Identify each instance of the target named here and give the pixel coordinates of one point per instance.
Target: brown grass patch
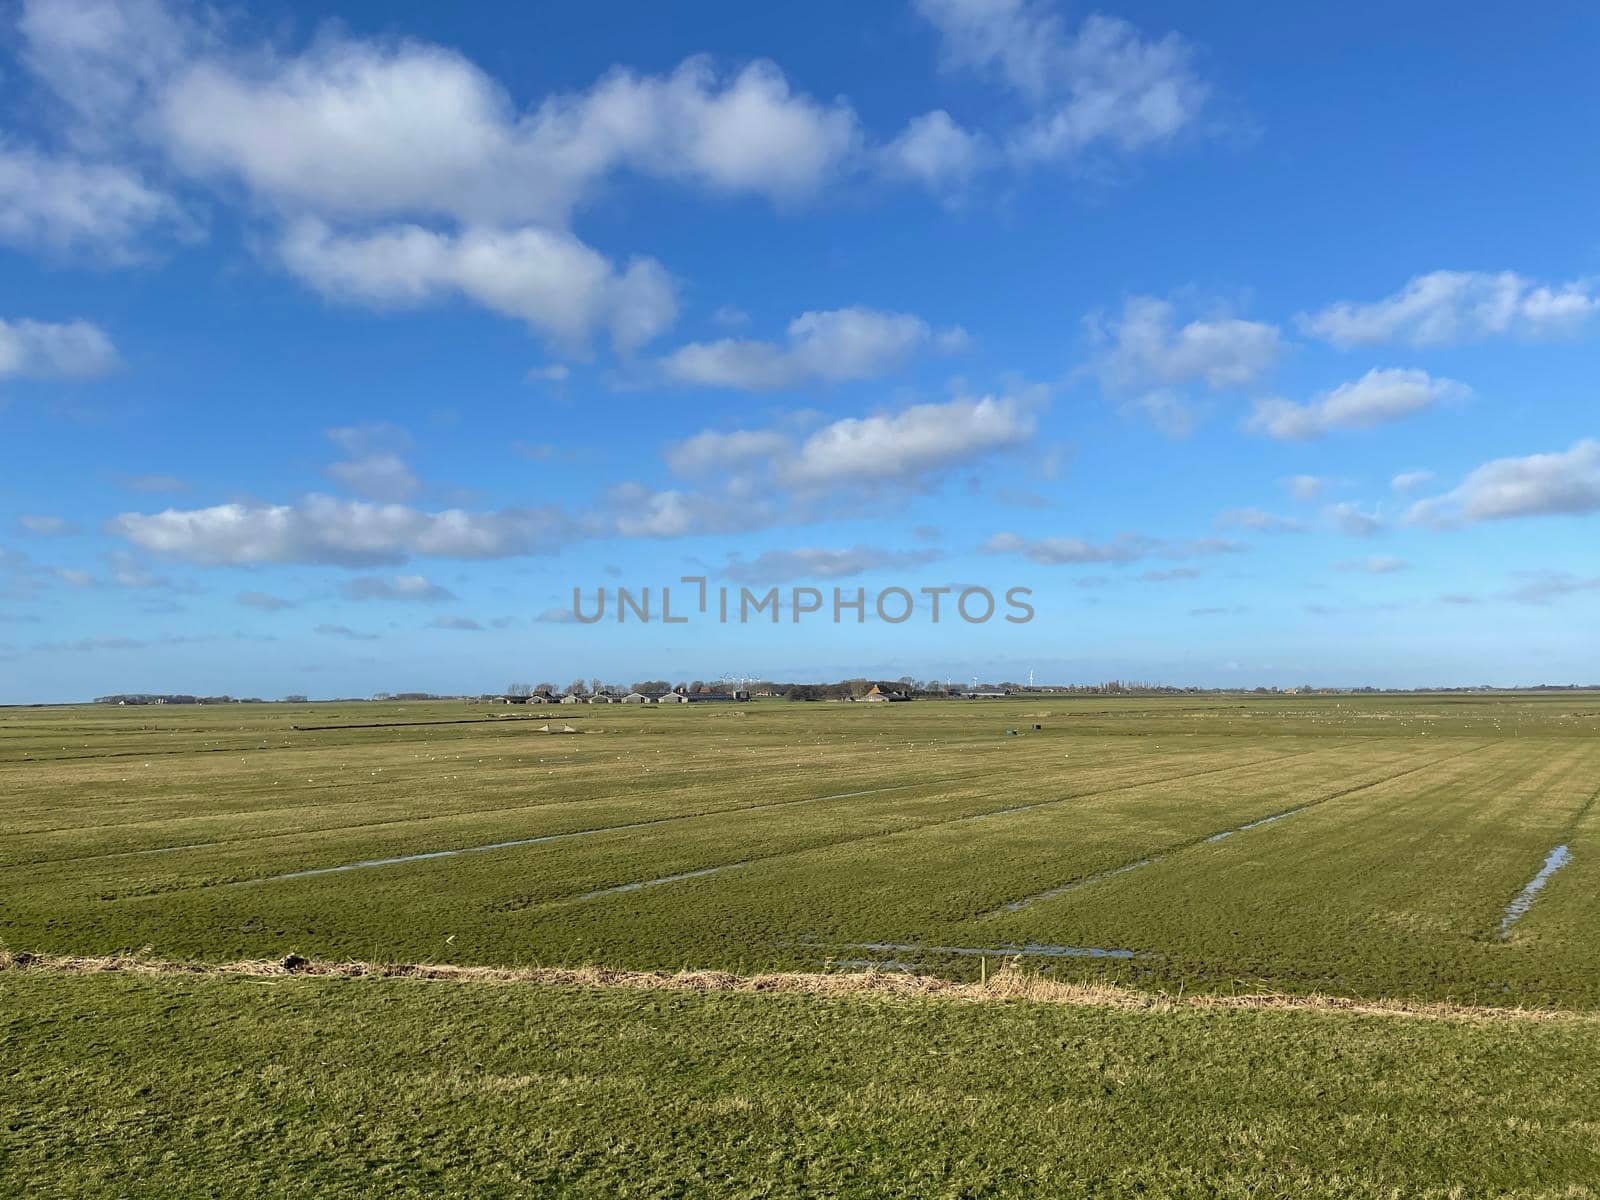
(1009, 984)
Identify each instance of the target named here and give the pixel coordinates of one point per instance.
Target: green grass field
(1362, 847)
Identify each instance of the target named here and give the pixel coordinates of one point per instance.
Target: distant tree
(652, 685)
(578, 688)
(596, 687)
(544, 687)
(518, 689)
(295, 700)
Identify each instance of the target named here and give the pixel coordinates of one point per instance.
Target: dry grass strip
(1007, 984)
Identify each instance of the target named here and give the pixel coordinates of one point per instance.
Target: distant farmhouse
(878, 696)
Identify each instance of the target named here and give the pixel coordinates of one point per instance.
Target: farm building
(878, 696)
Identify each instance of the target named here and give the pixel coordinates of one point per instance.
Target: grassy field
(782, 836)
(128, 1086)
(1360, 847)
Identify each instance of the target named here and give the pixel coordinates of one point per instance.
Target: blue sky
(338, 345)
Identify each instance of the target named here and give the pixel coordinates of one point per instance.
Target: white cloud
(1145, 346)
(907, 446)
(778, 566)
(834, 346)
(66, 205)
(1378, 564)
(1563, 483)
(417, 588)
(1104, 85)
(1445, 307)
(559, 286)
(377, 477)
(103, 59)
(936, 151)
(1350, 520)
(1259, 520)
(1410, 481)
(46, 350)
(45, 525)
(1145, 356)
(323, 529)
(1305, 487)
(637, 511)
(713, 451)
(1378, 397)
(361, 129)
(376, 470)
(1124, 548)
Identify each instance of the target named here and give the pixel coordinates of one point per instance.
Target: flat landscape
(1360, 847)
(1437, 852)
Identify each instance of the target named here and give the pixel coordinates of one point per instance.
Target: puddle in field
(1554, 861)
(1228, 833)
(1019, 905)
(634, 887)
(401, 859)
(1026, 950)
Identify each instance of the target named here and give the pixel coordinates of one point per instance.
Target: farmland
(779, 836)
(1373, 848)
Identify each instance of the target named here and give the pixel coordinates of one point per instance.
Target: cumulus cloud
(906, 446)
(778, 566)
(48, 350)
(1445, 307)
(357, 128)
(937, 151)
(1566, 482)
(900, 449)
(1105, 85)
(560, 287)
(1124, 548)
(1145, 356)
(1380, 396)
(1259, 520)
(713, 451)
(834, 346)
(324, 529)
(1410, 481)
